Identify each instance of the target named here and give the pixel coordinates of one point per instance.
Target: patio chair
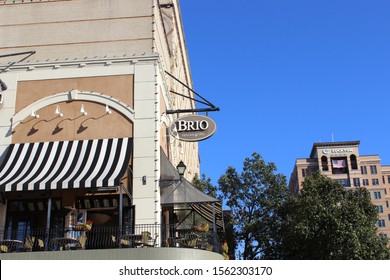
(192, 243)
(41, 245)
(31, 243)
(150, 242)
(147, 240)
(28, 243)
(82, 240)
(4, 249)
(124, 243)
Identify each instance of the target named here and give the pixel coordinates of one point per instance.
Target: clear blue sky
(288, 73)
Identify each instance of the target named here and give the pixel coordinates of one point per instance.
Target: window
(339, 166)
(373, 169)
(356, 182)
(377, 195)
(344, 182)
(380, 208)
(383, 180)
(375, 182)
(353, 162)
(324, 162)
(381, 223)
(388, 179)
(365, 182)
(304, 172)
(388, 216)
(387, 204)
(363, 169)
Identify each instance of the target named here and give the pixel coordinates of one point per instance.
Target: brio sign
(193, 128)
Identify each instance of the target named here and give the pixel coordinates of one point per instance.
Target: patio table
(64, 243)
(10, 245)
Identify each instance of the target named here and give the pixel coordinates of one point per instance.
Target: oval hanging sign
(193, 128)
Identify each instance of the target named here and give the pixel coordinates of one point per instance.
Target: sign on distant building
(337, 151)
(193, 128)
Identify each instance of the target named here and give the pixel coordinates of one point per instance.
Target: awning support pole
(47, 234)
(120, 214)
(214, 230)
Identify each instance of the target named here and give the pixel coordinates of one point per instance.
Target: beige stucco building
(342, 162)
(84, 124)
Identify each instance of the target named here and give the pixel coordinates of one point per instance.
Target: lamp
(82, 110)
(108, 111)
(181, 168)
(34, 114)
(58, 112)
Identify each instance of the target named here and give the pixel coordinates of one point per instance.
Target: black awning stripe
(71, 165)
(88, 163)
(52, 160)
(18, 164)
(39, 166)
(98, 162)
(83, 162)
(59, 166)
(121, 169)
(30, 167)
(65, 164)
(116, 169)
(8, 160)
(106, 158)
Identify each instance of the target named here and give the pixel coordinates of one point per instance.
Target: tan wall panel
(73, 125)
(73, 10)
(76, 32)
(57, 30)
(119, 87)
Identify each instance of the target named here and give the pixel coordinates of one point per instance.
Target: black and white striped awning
(65, 164)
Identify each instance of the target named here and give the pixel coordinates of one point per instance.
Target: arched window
(353, 162)
(324, 163)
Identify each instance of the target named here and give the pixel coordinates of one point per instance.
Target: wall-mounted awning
(65, 164)
(177, 191)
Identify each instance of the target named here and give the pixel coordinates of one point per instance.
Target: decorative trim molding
(71, 95)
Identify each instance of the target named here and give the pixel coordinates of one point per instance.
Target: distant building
(342, 162)
(84, 132)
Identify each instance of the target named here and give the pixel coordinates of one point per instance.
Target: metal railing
(107, 237)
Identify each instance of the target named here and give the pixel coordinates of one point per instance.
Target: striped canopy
(65, 164)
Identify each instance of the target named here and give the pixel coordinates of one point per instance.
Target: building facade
(342, 162)
(84, 128)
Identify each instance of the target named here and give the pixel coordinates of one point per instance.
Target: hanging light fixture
(181, 168)
(108, 111)
(34, 114)
(82, 110)
(58, 111)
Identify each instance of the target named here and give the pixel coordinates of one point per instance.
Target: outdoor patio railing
(107, 237)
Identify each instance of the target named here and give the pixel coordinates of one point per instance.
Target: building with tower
(342, 162)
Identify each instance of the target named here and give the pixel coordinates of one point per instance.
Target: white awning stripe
(65, 164)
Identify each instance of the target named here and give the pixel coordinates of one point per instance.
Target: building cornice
(126, 59)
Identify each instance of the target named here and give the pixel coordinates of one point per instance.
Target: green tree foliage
(327, 222)
(253, 195)
(204, 184)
